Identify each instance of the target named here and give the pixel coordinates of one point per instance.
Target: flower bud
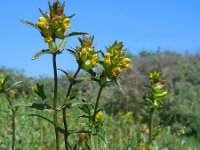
(126, 60)
(116, 71)
(99, 116)
(59, 33)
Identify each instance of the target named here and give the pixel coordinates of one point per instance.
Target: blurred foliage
(181, 108)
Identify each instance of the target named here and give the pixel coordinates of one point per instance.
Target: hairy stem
(64, 109)
(150, 126)
(55, 102)
(97, 103)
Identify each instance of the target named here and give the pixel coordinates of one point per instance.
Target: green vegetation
(112, 101)
(125, 119)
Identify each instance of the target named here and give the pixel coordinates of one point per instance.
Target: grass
(123, 131)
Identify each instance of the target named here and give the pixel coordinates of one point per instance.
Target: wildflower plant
(53, 27)
(155, 98)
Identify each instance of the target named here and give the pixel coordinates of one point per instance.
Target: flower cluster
(86, 56)
(157, 92)
(114, 61)
(53, 24)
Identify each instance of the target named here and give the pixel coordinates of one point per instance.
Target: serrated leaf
(61, 45)
(76, 34)
(38, 54)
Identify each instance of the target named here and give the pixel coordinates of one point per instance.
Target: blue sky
(140, 24)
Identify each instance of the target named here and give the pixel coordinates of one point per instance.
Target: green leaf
(76, 33)
(40, 91)
(61, 130)
(85, 108)
(43, 14)
(15, 84)
(84, 116)
(30, 24)
(73, 94)
(39, 106)
(71, 51)
(92, 73)
(101, 52)
(70, 78)
(61, 45)
(71, 16)
(38, 54)
(96, 134)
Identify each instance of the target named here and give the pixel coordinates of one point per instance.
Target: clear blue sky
(141, 24)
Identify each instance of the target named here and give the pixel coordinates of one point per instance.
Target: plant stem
(97, 103)
(13, 122)
(64, 109)
(55, 102)
(150, 126)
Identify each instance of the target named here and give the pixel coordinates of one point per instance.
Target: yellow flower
(93, 63)
(83, 53)
(67, 26)
(99, 115)
(129, 114)
(95, 57)
(189, 148)
(66, 20)
(43, 20)
(126, 60)
(48, 40)
(164, 93)
(107, 60)
(83, 136)
(116, 71)
(181, 131)
(34, 87)
(40, 24)
(127, 66)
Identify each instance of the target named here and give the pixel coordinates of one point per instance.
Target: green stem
(13, 122)
(97, 103)
(64, 110)
(150, 126)
(55, 102)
